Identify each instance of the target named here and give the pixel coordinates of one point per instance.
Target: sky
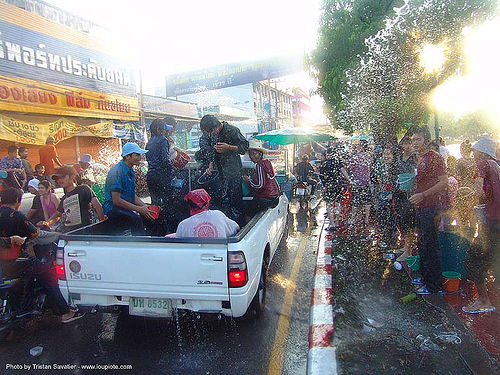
(177, 36)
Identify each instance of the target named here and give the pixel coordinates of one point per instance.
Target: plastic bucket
(155, 211)
(11, 253)
(245, 191)
(406, 181)
(451, 281)
(181, 159)
(480, 212)
(413, 262)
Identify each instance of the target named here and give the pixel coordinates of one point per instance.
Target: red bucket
(12, 253)
(451, 281)
(181, 159)
(155, 211)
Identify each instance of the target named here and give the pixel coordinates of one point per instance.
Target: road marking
(277, 354)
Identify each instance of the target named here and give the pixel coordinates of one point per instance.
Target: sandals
(481, 310)
(77, 316)
(417, 281)
(422, 291)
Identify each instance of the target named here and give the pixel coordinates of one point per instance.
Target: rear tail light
(237, 266)
(61, 274)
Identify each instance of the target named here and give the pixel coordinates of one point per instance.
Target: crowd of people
(415, 189)
(406, 215)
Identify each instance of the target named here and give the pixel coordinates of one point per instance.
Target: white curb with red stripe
(321, 359)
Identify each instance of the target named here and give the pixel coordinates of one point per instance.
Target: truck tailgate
(147, 269)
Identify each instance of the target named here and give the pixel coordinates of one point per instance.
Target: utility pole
(141, 107)
(269, 101)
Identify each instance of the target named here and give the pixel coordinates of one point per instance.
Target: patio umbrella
(360, 137)
(288, 136)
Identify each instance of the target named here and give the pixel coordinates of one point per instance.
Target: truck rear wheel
(259, 300)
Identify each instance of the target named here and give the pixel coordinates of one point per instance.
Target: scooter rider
(14, 223)
(303, 172)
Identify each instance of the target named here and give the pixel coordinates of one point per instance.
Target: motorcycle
(21, 298)
(302, 191)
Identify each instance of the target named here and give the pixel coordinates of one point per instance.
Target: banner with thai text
(35, 130)
(25, 95)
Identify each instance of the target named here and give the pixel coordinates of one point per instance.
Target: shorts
(361, 196)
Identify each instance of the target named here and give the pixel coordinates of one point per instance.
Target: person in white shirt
(443, 150)
(205, 223)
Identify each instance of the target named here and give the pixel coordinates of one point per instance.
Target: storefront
(56, 81)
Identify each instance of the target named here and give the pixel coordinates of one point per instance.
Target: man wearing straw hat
(263, 185)
(483, 253)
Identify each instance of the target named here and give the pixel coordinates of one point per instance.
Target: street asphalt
(275, 344)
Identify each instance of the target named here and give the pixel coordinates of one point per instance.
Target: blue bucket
(406, 181)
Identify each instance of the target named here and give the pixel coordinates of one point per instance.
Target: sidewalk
(376, 333)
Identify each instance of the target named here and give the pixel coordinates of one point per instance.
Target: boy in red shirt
(431, 181)
(48, 155)
(484, 251)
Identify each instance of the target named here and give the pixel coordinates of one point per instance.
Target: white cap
(34, 183)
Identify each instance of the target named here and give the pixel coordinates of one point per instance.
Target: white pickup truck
(152, 276)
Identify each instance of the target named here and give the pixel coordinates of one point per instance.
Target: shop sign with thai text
(24, 95)
(26, 51)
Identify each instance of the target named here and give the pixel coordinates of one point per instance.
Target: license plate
(150, 307)
(301, 191)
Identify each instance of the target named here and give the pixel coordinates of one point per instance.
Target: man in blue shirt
(122, 206)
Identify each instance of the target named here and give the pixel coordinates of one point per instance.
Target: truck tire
(259, 300)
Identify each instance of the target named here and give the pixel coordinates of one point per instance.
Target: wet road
(375, 333)
(274, 344)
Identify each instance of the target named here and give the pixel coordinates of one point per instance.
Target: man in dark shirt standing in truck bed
(230, 145)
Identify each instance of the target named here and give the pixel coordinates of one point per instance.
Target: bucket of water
(181, 159)
(245, 190)
(11, 253)
(155, 211)
(480, 212)
(406, 181)
(413, 262)
(451, 281)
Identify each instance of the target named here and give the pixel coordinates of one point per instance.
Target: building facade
(58, 80)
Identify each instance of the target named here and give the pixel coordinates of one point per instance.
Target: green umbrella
(288, 136)
(360, 137)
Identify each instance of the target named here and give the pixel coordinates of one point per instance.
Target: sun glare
(432, 57)
(477, 89)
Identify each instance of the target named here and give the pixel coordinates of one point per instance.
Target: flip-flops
(481, 310)
(422, 291)
(417, 281)
(77, 316)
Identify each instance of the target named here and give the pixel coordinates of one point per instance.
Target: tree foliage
(376, 82)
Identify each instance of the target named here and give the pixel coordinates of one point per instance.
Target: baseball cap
(86, 158)
(65, 170)
(34, 182)
(131, 148)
